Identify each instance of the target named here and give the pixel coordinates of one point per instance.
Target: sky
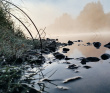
(44, 12)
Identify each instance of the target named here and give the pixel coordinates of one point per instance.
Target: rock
(80, 41)
(66, 49)
(66, 58)
(92, 59)
(76, 71)
(107, 45)
(87, 67)
(56, 39)
(89, 59)
(72, 79)
(70, 42)
(97, 44)
(64, 44)
(59, 55)
(73, 66)
(105, 56)
(83, 61)
(88, 44)
(52, 46)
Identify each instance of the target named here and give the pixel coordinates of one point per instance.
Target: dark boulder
(89, 59)
(97, 44)
(83, 61)
(107, 45)
(105, 56)
(59, 55)
(92, 59)
(70, 42)
(66, 49)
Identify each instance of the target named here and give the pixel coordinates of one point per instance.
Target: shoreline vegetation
(16, 50)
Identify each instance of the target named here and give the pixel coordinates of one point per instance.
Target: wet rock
(70, 42)
(92, 59)
(105, 56)
(66, 58)
(73, 66)
(97, 44)
(80, 41)
(72, 79)
(62, 87)
(50, 62)
(87, 67)
(89, 59)
(66, 49)
(107, 45)
(56, 39)
(59, 55)
(52, 48)
(83, 61)
(88, 44)
(64, 44)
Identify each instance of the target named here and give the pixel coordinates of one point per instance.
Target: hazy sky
(44, 12)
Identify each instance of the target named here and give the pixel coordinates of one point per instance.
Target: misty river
(92, 77)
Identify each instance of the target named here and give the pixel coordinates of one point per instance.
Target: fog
(91, 19)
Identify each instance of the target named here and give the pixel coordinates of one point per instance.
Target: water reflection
(94, 75)
(82, 48)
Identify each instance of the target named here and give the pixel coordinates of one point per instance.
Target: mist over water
(91, 19)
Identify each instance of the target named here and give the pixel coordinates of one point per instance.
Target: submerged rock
(97, 44)
(105, 56)
(67, 62)
(88, 44)
(87, 67)
(107, 45)
(72, 79)
(73, 66)
(59, 55)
